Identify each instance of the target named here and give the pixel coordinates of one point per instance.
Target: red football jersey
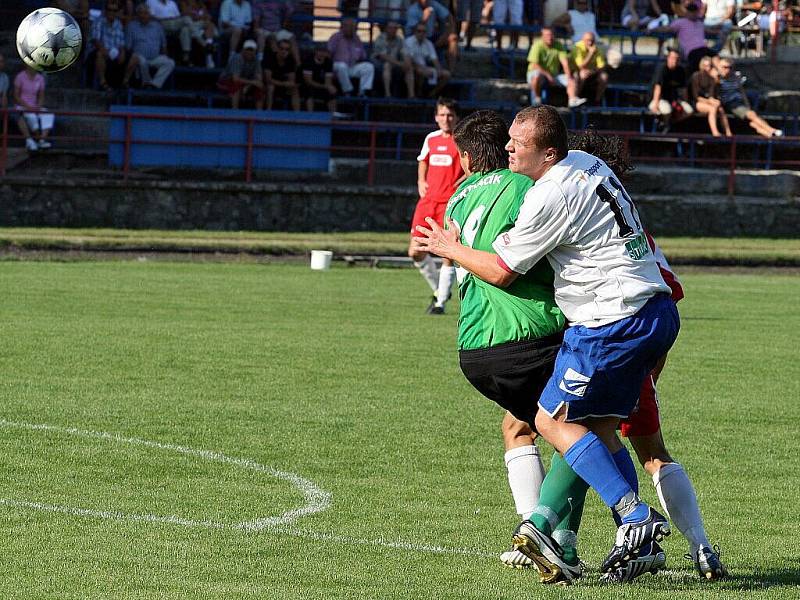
(444, 168)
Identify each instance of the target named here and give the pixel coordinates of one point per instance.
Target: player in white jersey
(622, 320)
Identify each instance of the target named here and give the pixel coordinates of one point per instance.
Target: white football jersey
(581, 218)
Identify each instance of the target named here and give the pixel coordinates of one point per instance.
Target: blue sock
(622, 459)
(590, 459)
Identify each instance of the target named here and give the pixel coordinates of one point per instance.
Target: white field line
(317, 500)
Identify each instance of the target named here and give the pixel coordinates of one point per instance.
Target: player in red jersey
(438, 175)
(642, 427)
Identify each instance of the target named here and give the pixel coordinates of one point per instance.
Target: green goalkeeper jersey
(485, 206)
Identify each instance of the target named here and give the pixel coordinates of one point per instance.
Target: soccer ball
(49, 40)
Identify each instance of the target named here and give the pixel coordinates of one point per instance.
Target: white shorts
(561, 78)
(38, 120)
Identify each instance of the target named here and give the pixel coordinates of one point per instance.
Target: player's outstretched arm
(446, 243)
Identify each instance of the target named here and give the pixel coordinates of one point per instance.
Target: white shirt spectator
(237, 15)
(717, 10)
(420, 53)
(163, 10)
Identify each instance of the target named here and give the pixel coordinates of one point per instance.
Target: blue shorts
(599, 371)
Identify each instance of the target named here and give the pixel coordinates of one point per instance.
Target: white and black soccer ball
(49, 40)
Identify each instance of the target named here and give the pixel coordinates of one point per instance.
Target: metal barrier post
(248, 167)
(371, 167)
(4, 151)
(126, 161)
(732, 172)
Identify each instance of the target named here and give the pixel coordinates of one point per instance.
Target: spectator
(202, 26)
(643, 13)
(4, 83)
(546, 59)
(469, 17)
(589, 62)
(734, 100)
(318, 79)
(439, 27)
(578, 21)
(79, 9)
(29, 86)
(350, 59)
(704, 92)
(235, 18)
(691, 35)
(147, 45)
(670, 101)
(389, 55)
(169, 15)
(426, 64)
(243, 78)
(718, 18)
(108, 39)
(280, 76)
(507, 11)
(270, 19)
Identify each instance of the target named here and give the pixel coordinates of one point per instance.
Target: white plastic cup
(321, 260)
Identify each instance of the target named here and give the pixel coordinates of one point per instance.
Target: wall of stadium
(58, 202)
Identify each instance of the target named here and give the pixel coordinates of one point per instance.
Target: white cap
(250, 44)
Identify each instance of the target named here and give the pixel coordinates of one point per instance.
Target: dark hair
(547, 128)
(672, 50)
(611, 149)
(483, 135)
(447, 103)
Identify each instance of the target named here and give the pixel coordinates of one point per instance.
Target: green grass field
(202, 430)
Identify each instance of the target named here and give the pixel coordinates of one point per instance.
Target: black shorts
(513, 374)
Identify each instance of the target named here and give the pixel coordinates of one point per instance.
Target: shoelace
(715, 549)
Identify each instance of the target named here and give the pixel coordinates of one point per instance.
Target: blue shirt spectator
(416, 13)
(236, 14)
(109, 35)
(146, 39)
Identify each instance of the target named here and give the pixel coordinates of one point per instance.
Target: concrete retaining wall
(59, 202)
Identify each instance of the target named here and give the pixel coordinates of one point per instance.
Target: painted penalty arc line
(317, 500)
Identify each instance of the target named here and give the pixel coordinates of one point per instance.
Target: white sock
(679, 501)
(429, 272)
(525, 475)
(446, 276)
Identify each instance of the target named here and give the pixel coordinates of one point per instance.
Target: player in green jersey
(508, 337)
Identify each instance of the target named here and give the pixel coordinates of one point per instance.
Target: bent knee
(515, 432)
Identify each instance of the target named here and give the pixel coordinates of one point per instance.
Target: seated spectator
(318, 79)
(439, 27)
(719, 19)
(425, 61)
(243, 78)
(147, 45)
(691, 34)
(643, 13)
(108, 39)
(507, 12)
(169, 15)
(734, 100)
(578, 21)
(589, 62)
(35, 122)
(389, 56)
(350, 59)
(202, 27)
(670, 100)
(704, 93)
(270, 22)
(4, 83)
(546, 60)
(235, 18)
(280, 76)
